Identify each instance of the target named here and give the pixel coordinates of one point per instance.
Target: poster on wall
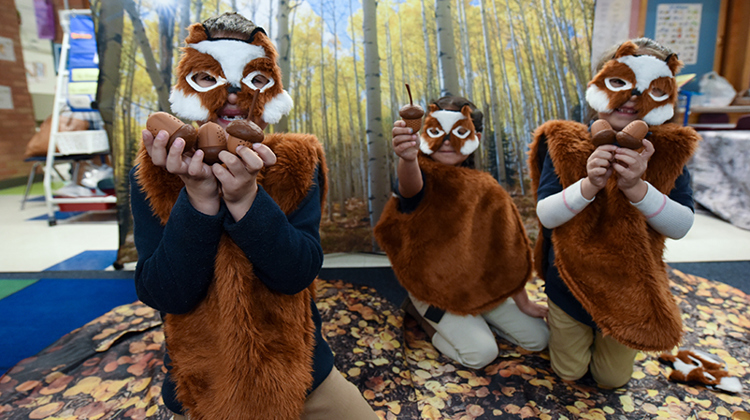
(6, 49)
(678, 27)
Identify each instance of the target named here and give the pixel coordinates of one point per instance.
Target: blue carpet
(87, 260)
(39, 314)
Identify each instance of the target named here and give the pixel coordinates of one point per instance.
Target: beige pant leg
(517, 327)
(337, 399)
(334, 399)
(569, 344)
(612, 362)
(465, 339)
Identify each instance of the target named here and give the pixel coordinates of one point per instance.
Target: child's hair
(455, 103)
(229, 23)
(646, 46)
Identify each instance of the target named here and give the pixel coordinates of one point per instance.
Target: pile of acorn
(211, 138)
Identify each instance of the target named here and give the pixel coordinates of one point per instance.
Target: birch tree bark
(166, 39)
(499, 156)
(109, 45)
(360, 139)
(446, 49)
(139, 33)
(377, 170)
(284, 46)
(465, 49)
(565, 100)
(184, 20)
(430, 92)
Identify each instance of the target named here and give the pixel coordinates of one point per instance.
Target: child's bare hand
(239, 180)
(200, 182)
(631, 165)
(599, 165)
(529, 307)
(405, 143)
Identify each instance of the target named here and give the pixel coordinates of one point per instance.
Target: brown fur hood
(464, 249)
(244, 350)
(608, 255)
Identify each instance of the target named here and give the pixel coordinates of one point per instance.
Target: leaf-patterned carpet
(111, 368)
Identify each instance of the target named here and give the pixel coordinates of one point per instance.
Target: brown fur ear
(674, 63)
(626, 48)
(433, 108)
(466, 111)
(196, 33)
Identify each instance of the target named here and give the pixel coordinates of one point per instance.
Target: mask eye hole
(435, 132)
(658, 94)
(615, 84)
(204, 81)
(258, 81)
(461, 132)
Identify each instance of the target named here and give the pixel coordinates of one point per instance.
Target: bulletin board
(690, 28)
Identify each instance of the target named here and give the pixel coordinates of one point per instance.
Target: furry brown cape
(245, 351)
(464, 249)
(608, 255)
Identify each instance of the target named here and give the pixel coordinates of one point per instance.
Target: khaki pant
(334, 399)
(468, 339)
(575, 347)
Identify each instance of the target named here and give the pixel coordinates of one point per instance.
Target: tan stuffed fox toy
(693, 366)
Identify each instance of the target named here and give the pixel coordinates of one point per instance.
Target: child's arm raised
(405, 145)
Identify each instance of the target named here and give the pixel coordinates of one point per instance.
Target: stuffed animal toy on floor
(693, 366)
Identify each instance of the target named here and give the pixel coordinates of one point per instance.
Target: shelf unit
(89, 142)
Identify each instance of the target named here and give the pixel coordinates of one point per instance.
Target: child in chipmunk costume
(605, 211)
(229, 254)
(456, 241)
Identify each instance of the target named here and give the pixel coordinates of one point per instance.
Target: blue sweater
(176, 261)
(555, 288)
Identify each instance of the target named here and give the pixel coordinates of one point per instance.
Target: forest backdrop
(345, 64)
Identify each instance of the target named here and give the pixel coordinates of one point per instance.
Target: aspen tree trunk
(184, 20)
(465, 49)
(109, 46)
(404, 71)
(284, 46)
(166, 39)
(525, 138)
(198, 10)
(341, 155)
(550, 94)
(586, 15)
(500, 156)
(428, 57)
(139, 33)
(324, 111)
(535, 79)
(562, 84)
(270, 16)
(378, 186)
(511, 130)
(446, 49)
(360, 138)
(580, 83)
(392, 88)
(234, 5)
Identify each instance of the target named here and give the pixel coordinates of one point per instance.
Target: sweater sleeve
(285, 250)
(175, 261)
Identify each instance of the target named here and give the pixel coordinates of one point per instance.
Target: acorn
(244, 132)
(175, 127)
(632, 135)
(212, 139)
(602, 133)
(411, 114)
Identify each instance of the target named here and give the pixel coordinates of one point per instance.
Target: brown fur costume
(464, 249)
(608, 256)
(244, 350)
